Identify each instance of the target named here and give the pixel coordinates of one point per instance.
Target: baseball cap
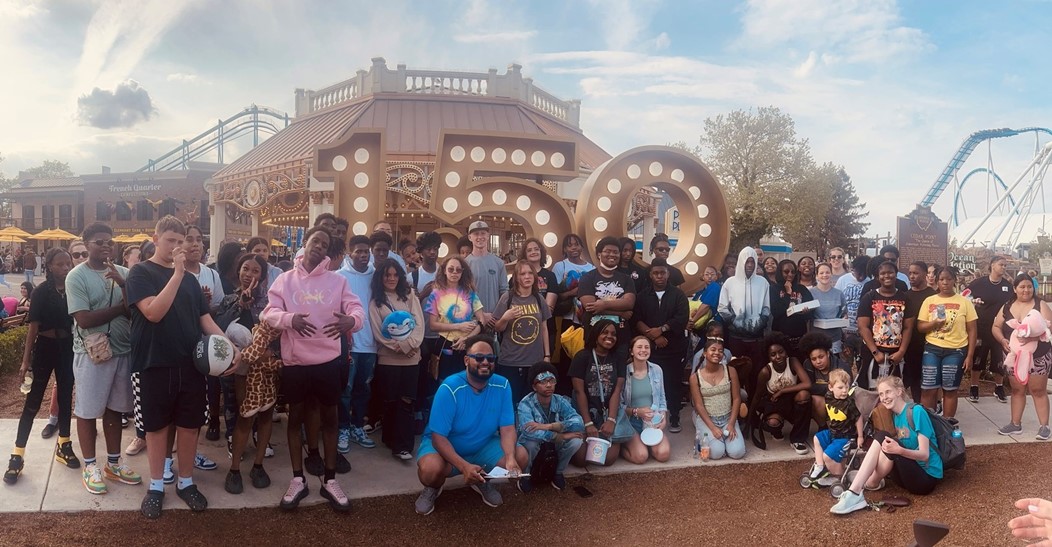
(478, 225)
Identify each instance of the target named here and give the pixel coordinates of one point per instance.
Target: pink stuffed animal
(1021, 356)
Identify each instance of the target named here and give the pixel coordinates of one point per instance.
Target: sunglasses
(480, 357)
(454, 270)
(79, 254)
(102, 242)
(836, 257)
(715, 339)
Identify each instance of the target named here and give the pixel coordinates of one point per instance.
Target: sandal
(152, 504)
(879, 486)
(193, 497)
(14, 469)
(758, 439)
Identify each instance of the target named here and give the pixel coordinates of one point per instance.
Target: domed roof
(414, 112)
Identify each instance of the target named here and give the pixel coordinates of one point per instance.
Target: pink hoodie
(319, 293)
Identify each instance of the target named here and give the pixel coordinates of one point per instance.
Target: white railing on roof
(380, 79)
(334, 94)
(446, 83)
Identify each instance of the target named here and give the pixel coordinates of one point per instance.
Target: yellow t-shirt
(959, 312)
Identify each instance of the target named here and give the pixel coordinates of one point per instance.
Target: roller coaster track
(252, 120)
(949, 172)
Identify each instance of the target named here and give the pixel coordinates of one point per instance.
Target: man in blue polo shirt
(471, 431)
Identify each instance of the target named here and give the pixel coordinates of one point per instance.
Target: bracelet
(611, 420)
(589, 424)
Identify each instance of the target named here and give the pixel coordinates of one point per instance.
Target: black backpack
(545, 464)
(950, 448)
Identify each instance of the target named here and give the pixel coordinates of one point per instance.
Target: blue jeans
(29, 275)
(942, 367)
(722, 447)
(565, 449)
(357, 391)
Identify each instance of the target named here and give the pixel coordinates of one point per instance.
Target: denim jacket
(656, 384)
(560, 410)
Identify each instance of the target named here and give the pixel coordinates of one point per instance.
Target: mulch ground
(760, 504)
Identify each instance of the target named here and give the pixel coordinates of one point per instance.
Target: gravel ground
(704, 505)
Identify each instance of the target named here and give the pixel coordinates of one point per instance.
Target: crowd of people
(361, 344)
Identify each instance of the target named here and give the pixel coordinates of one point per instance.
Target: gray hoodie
(745, 301)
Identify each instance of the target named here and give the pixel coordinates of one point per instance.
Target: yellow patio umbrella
(8, 238)
(63, 235)
(46, 234)
(138, 238)
(120, 239)
(276, 243)
(14, 231)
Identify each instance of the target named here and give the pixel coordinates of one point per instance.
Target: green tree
(50, 169)
(843, 223)
(759, 159)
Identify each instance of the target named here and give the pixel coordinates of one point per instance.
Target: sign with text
(963, 263)
(922, 236)
(1046, 266)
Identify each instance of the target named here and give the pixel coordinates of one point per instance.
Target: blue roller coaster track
(949, 172)
(252, 120)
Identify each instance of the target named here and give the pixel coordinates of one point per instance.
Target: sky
(887, 89)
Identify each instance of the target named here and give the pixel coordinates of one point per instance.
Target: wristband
(611, 420)
(589, 424)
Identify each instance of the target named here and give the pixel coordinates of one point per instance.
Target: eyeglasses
(103, 242)
(480, 357)
(79, 254)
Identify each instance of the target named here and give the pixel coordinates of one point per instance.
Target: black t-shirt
(790, 325)
(887, 315)
(169, 343)
(607, 288)
(842, 414)
(609, 369)
(48, 307)
(546, 282)
(914, 299)
(993, 296)
(639, 275)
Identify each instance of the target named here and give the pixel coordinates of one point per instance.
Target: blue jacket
(657, 385)
(560, 410)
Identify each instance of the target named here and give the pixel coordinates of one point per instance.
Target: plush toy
(398, 325)
(1021, 356)
(261, 387)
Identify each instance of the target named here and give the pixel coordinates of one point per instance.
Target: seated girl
(645, 404)
(714, 394)
(911, 459)
(598, 380)
(782, 394)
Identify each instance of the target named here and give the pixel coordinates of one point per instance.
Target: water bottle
(704, 452)
(696, 448)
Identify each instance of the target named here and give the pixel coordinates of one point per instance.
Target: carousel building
(435, 150)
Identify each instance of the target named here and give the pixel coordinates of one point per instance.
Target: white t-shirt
(208, 277)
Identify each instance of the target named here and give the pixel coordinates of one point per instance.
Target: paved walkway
(48, 486)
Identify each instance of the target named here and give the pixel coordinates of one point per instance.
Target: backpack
(544, 464)
(950, 447)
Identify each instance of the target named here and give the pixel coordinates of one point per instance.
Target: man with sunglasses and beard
(470, 407)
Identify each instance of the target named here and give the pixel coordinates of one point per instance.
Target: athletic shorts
(170, 395)
(487, 457)
(320, 383)
(942, 367)
(833, 447)
(101, 386)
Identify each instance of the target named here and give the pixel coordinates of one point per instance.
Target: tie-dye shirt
(452, 305)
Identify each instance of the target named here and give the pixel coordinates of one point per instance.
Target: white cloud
(856, 30)
(807, 66)
(506, 36)
(119, 35)
(182, 77)
(623, 22)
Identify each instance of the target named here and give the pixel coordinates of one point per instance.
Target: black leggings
(49, 356)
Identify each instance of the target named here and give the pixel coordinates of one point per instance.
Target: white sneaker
(849, 502)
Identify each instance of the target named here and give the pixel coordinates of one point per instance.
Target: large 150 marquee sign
(492, 173)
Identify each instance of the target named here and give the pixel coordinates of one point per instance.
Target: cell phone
(582, 491)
